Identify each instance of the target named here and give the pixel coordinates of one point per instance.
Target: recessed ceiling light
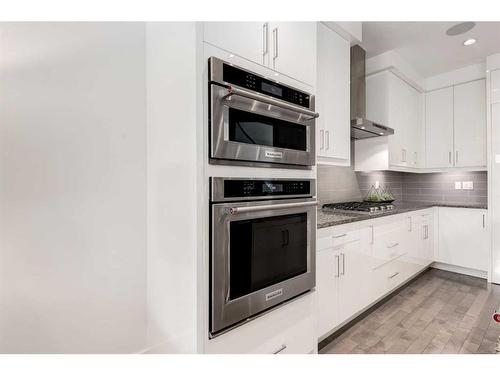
(469, 42)
(460, 28)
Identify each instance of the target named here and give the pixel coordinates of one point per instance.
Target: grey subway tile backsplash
(340, 184)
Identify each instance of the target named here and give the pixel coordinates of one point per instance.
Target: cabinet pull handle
(372, 240)
(394, 275)
(265, 47)
(283, 347)
(484, 225)
(337, 266)
(327, 136)
(410, 228)
(275, 45)
(456, 157)
(426, 232)
(340, 235)
(393, 245)
(343, 263)
(403, 155)
(449, 157)
(321, 139)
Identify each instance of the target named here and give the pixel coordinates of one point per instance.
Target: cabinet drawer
(339, 239)
(388, 242)
(290, 329)
(391, 275)
(296, 339)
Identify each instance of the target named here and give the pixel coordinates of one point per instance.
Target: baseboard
(461, 270)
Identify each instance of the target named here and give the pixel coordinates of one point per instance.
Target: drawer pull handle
(395, 274)
(283, 347)
(340, 235)
(394, 245)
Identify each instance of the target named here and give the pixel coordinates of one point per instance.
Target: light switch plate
(467, 185)
(458, 185)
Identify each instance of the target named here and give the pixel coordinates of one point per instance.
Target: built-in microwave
(263, 244)
(257, 120)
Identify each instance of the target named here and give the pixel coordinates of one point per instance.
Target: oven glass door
(259, 258)
(266, 251)
(248, 130)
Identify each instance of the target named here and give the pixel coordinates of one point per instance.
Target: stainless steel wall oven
(256, 120)
(263, 234)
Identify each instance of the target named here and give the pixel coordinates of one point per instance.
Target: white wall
(72, 188)
(493, 116)
(172, 186)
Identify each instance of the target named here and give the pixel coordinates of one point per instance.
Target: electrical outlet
(458, 185)
(468, 185)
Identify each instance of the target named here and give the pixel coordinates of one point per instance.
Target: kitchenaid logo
(276, 293)
(274, 154)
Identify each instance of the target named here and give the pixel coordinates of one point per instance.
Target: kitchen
(287, 188)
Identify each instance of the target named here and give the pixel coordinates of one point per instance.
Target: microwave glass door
(266, 251)
(253, 128)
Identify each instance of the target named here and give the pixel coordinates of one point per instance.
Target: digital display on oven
(271, 89)
(272, 188)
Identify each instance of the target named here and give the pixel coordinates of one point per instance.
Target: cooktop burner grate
(360, 206)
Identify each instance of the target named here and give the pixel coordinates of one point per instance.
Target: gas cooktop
(367, 207)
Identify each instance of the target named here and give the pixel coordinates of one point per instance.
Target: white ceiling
(426, 46)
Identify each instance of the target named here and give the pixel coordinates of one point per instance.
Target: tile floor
(440, 312)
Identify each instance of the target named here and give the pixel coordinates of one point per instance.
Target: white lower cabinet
(464, 238)
(357, 264)
(289, 329)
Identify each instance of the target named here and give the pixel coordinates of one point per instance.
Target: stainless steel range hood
(360, 126)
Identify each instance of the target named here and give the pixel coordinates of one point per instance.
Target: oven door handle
(231, 90)
(240, 210)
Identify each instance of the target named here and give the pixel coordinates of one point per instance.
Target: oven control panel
(254, 82)
(258, 188)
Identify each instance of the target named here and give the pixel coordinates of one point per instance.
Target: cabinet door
(293, 50)
(327, 276)
(463, 238)
(439, 128)
(245, 39)
(332, 95)
(401, 118)
(470, 124)
(354, 286)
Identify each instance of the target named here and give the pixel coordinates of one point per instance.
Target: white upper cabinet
(333, 98)
(455, 126)
(470, 124)
(392, 102)
(293, 49)
(245, 39)
(287, 47)
(439, 128)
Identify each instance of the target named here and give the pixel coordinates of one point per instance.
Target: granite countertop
(328, 217)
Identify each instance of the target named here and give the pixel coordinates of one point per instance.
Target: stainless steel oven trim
(226, 313)
(217, 189)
